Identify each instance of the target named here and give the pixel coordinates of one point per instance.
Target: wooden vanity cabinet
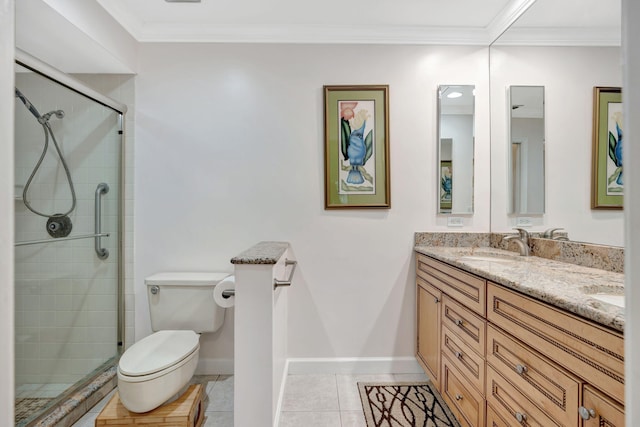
(500, 358)
(452, 352)
(429, 300)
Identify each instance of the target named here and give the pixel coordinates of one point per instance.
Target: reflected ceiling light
(454, 95)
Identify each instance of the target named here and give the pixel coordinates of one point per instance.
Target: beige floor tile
(353, 419)
(410, 377)
(220, 394)
(218, 419)
(310, 393)
(348, 388)
(310, 419)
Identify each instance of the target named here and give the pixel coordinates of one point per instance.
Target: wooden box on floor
(186, 411)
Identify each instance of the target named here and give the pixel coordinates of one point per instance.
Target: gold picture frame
(356, 162)
(607, 184)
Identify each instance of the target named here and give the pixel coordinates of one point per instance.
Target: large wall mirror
(587, 54)
(456, 104)
(526, 154)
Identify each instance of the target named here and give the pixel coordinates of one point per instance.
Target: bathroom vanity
(510, 340)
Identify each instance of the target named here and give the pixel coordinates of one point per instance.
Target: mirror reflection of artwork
(607, 173)
(614, 162)
(446, 185)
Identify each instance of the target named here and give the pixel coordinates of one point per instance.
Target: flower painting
(446, 185)
(608, 132)
(356, 147)
(614, 162)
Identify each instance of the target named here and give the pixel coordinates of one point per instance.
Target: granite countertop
(262, 253)
(563, 285)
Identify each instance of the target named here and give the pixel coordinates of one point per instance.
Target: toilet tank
(184, 301)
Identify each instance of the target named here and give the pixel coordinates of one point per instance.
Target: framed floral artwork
(446, 185)
(607, 174)
(356, 163)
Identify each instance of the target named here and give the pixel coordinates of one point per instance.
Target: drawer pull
(458, 397)
(521, 417)
(521, 369)
(585, 413)
(458, 322)
(436, 300)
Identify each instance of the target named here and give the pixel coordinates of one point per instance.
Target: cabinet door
(428, 346)
(465, 402)
(598, 410)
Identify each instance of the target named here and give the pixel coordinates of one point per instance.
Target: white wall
(6, 206)
(568, 75)
(229, 152)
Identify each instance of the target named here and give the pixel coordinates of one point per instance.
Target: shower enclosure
(68, 278)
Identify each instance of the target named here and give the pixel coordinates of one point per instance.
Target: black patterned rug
(405, 404)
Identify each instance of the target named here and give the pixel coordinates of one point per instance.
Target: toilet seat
(157, 352)
(157, 367)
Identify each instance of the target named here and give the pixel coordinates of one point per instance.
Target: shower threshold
(42, 411)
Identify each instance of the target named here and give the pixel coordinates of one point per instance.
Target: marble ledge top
(563, 285)
(262, 253)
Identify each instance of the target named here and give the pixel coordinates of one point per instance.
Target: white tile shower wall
(122, 88)
(65, 296)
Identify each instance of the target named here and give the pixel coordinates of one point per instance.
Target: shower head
(28, 104)
(45, 118)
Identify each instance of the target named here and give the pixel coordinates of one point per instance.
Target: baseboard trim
(215, 367)
(354, 365)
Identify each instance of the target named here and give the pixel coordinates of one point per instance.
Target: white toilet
(155, 368)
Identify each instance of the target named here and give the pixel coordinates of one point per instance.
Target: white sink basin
(617, 300)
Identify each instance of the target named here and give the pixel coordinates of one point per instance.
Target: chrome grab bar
(277, 283)
(101, 189)
(62, 239)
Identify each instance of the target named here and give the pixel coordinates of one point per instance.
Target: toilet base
(186, 411)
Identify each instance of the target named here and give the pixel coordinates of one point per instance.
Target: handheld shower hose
(46, 127)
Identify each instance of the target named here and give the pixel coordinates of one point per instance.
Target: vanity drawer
(466, 288)
(554, 390)
(495, 420)
(467, 325)
(606, 412)
(513, 406)
(582, 347)
(467, 361)
(466, 403)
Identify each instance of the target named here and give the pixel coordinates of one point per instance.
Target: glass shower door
(67, 254)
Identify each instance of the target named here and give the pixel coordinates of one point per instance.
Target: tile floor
(309, 400)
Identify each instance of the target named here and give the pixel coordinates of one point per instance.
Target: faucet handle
(548, 234)
(524, 234)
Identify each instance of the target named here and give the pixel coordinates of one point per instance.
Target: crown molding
(561, 37)
(507, 16)
(306, 34)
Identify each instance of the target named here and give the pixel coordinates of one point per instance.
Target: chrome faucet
(548, 234)
(522, 240)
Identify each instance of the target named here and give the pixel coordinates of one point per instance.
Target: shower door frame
(35, 65)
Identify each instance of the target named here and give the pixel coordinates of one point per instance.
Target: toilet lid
(158, 351)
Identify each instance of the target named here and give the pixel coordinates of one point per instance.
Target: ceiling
(360, 21)
(92, 36)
